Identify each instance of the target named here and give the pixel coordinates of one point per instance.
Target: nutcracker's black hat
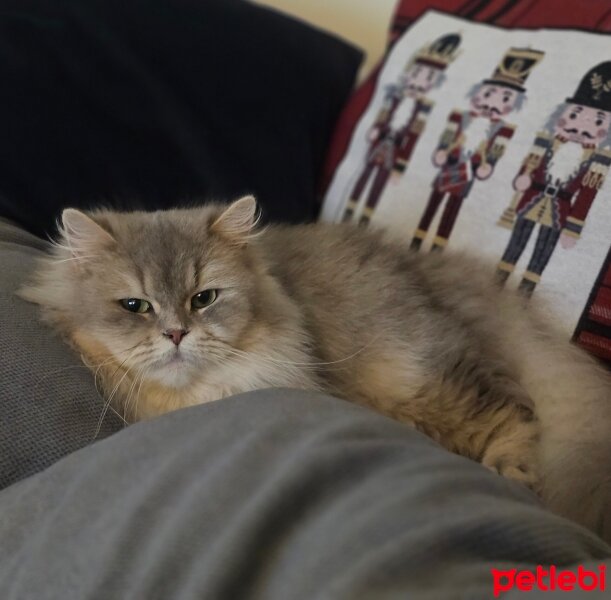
(594, 90)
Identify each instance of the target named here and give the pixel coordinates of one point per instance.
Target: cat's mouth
(174, 369)
(176, 359)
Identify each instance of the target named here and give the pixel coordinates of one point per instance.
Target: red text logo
(548, 579)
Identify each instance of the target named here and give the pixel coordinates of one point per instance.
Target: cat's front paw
(514, 454)
(523, 473)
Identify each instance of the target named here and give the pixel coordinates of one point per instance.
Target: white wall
(363, 22)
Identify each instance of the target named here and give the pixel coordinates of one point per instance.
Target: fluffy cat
(181, 307)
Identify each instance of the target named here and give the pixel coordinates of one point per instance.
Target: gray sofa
(49, 403)
(277, 494)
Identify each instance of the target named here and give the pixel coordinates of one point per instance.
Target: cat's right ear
(83, 235)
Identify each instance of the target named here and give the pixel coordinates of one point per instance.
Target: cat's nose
(175, 335)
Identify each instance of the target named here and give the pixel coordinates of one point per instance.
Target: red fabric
(592, 15)
(596, 344)
(601, 309)
(594, 328)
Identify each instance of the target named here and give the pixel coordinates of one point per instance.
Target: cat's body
(426, 339)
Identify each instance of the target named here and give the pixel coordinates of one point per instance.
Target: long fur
(426, 339)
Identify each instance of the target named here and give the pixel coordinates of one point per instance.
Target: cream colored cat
(176, 308)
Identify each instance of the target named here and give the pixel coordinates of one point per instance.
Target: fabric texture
(274, 494)
(156, 103)
(495, 142)
(49, 403)
(529, 14)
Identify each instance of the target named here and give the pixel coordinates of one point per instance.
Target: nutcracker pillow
(495, 141)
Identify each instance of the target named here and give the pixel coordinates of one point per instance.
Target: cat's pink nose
(175, 335)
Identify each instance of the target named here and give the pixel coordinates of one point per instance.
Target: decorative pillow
(498, 142)
(529, 14)
(139, 103)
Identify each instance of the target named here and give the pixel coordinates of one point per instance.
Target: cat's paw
(514, 454)
(523, 473)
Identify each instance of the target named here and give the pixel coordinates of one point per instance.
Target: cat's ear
(238, 220)
(83, 235)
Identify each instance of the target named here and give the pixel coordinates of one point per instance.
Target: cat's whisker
(63, 260)
(223, 351)
(138, 381)
(109, 360)
(99, 365)
(109, 403)
(101, 397)
(133, 355)
(114, 391)
(313, 365)
(146, 372)
(267, 360)
(111, 409)
(111, 357)
(130, 392)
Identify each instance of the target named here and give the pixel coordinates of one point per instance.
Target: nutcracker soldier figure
(474, 141)
(400, 123)
(560, 178)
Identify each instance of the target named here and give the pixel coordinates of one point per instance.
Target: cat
(181, 307)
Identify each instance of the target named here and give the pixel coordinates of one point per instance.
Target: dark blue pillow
(157, 103)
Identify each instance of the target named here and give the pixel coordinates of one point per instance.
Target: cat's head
(167, 294)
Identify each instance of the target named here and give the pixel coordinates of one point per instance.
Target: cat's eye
(203, 299)
(136, 305)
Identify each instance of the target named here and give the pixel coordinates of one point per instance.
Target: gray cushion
(49, 404)
(274, 495)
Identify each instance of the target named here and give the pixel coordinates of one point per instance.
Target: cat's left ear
(83, 235)
(238, 220)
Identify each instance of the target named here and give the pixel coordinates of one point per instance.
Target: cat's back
(331, 254)
(346, 263)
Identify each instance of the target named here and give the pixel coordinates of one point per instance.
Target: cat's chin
(173, 377)
(173, 372)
